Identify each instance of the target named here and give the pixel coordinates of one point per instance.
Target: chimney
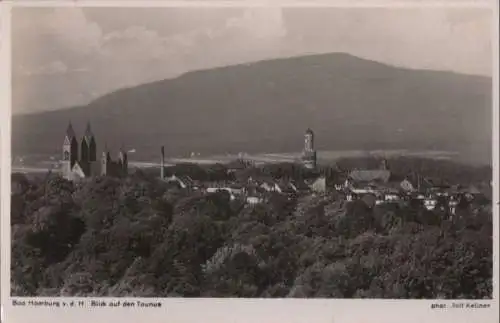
(162, 163)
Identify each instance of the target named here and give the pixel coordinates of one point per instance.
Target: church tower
(88, 146)
(309, 140)
(309, 154)
(70, 152)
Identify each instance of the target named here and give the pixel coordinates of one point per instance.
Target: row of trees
(142, 237)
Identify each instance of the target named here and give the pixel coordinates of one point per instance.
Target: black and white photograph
(252, 152)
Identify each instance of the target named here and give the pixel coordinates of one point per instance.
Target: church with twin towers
(79, 157)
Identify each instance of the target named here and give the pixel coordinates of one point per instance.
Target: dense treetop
(146, 238)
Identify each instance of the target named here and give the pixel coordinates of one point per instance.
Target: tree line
(141, 237)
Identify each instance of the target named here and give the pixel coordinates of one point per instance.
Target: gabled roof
(79, 170)
(88, 169)
(473, 190)
(436, 183)
(185, 179)
(370, 175)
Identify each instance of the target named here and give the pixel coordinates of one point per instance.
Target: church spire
(88, 132)
(70, 132)
(88, 145)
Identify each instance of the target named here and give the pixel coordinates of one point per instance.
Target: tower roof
(309, 131)
(88, 131)
(70, 132)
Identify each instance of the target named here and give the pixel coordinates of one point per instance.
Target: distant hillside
(351, 103)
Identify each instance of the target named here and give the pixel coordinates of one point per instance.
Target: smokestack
(162, 163)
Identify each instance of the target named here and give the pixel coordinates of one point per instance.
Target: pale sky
(63, 57)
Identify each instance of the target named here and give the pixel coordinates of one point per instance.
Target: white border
(5, 114)
(496, 152)
(254, 3)
(243, 310)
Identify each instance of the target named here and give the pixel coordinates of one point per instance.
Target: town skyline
(89, 52)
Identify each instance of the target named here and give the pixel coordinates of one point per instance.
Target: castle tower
(162, 163)
(123, 161)
(309, 154)
(70, 152)
(88, 146)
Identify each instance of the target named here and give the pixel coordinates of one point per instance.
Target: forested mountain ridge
(351, 104)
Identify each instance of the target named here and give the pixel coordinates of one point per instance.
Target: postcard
(237, 161)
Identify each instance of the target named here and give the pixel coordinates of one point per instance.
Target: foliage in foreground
(139, 237)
